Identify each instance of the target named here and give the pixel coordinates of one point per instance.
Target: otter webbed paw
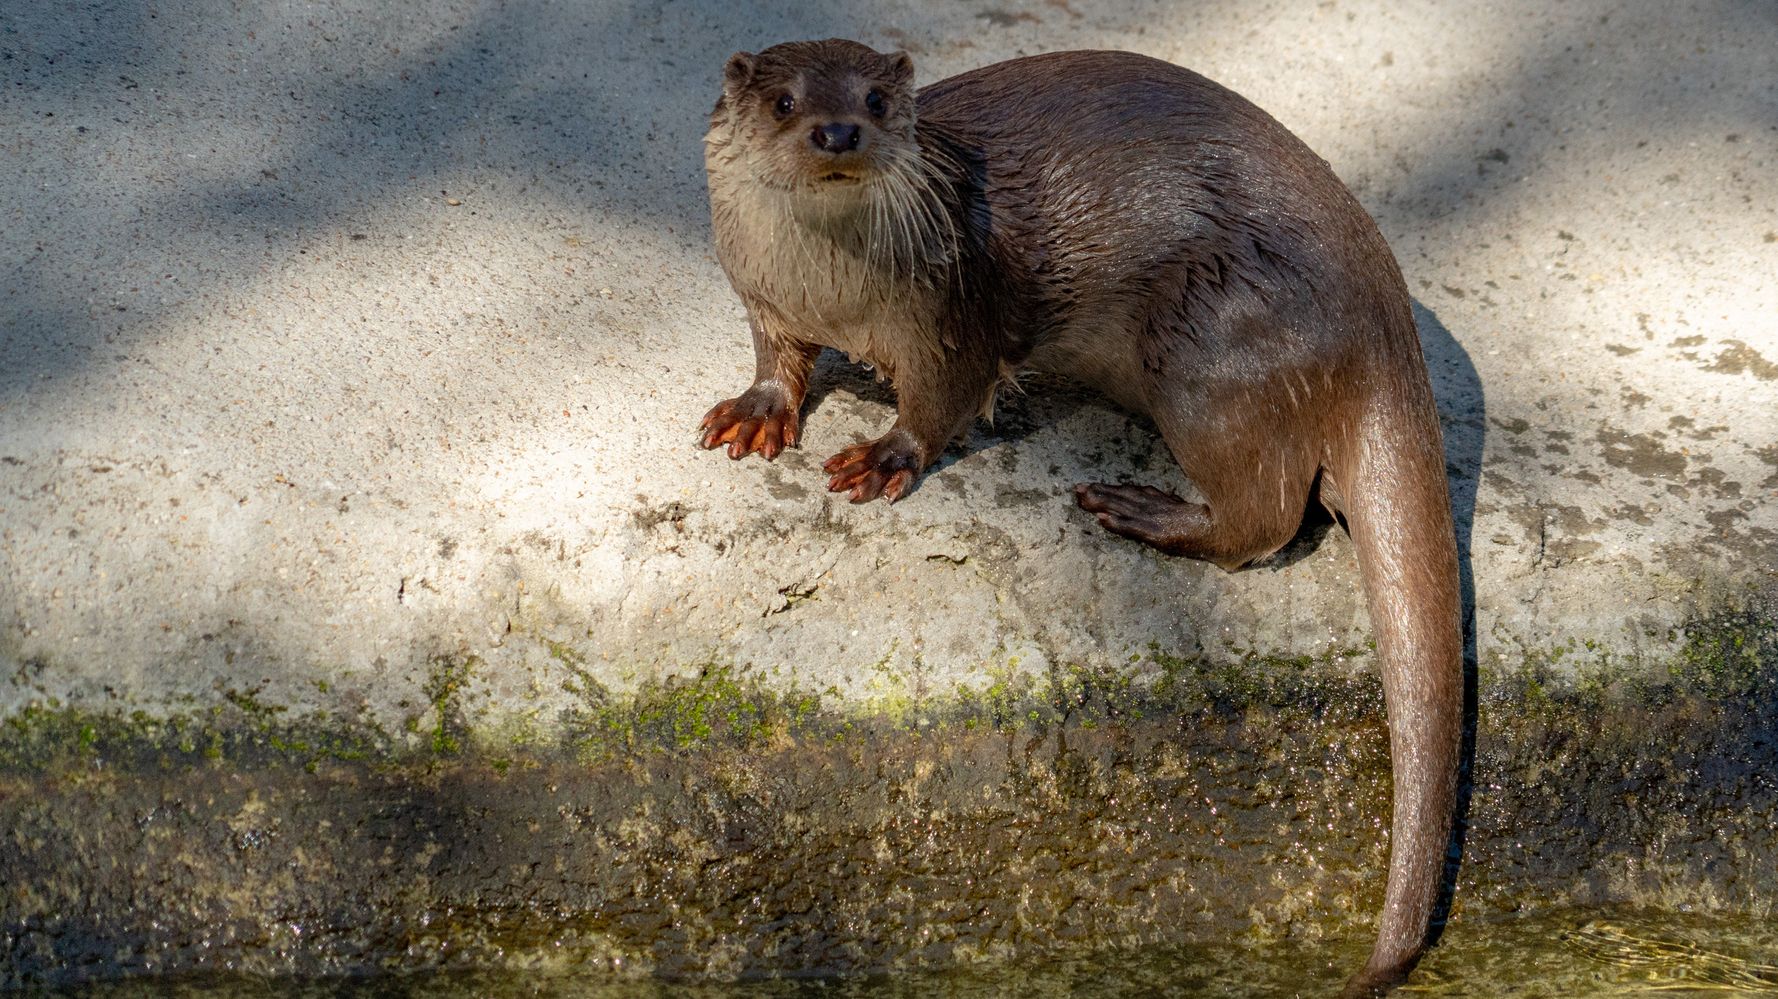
(883, 467)
(1147, 514)
(762, 419)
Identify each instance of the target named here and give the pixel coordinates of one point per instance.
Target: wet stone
(1035, 823)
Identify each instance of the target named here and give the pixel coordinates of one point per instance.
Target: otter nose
(835, 137)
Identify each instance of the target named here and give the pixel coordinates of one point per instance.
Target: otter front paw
(883, 467)
(762, 419)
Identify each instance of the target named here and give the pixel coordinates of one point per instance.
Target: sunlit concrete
(335, 338)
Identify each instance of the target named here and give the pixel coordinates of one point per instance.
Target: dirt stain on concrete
(783, 487)
(1739, 358)
(1641, 454)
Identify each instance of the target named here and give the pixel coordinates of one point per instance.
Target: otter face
(819, 116)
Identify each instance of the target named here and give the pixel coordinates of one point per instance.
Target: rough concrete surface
(351, 355)
(338, 337)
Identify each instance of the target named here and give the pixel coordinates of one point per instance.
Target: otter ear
(739, 72)
(899, 68)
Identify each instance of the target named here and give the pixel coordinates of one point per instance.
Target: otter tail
(1398, 512)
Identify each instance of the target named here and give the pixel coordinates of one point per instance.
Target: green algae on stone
(1729, 655)
(712, 703)
(1726, 656)
(446, 677)
(55, 738)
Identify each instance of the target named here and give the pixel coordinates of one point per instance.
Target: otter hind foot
(760, 420)
(883, 467)
(1149, 515)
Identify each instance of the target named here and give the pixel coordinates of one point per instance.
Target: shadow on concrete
(600, 107)
(1039, 401)
(834, 372)
(199, 137)
(1680, 92)
(1463, 417)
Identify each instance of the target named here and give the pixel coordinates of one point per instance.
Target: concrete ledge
(392, 350)
(714, 830)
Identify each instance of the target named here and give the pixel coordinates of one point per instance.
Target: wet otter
(1138, 227)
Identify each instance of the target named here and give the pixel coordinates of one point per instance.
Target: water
(1568, 953)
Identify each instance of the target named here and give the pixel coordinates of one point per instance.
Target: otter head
(817, 117)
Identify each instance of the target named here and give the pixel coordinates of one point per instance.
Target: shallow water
(1568, 953)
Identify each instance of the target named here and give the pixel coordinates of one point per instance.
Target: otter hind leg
(1169, 523)
(1249, 514)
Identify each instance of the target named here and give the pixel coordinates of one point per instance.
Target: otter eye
(873, 102)
(785, 105)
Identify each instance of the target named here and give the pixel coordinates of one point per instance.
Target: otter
(1137, 227)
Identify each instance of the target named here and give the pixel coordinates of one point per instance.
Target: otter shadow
(1040, 401)
(1462, 413)
(834, 371)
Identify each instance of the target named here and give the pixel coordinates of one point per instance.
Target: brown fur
(1136, 226)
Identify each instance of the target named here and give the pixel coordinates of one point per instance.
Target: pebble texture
(337, 338)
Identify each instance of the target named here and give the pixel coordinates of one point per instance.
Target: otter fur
(1135, 226)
